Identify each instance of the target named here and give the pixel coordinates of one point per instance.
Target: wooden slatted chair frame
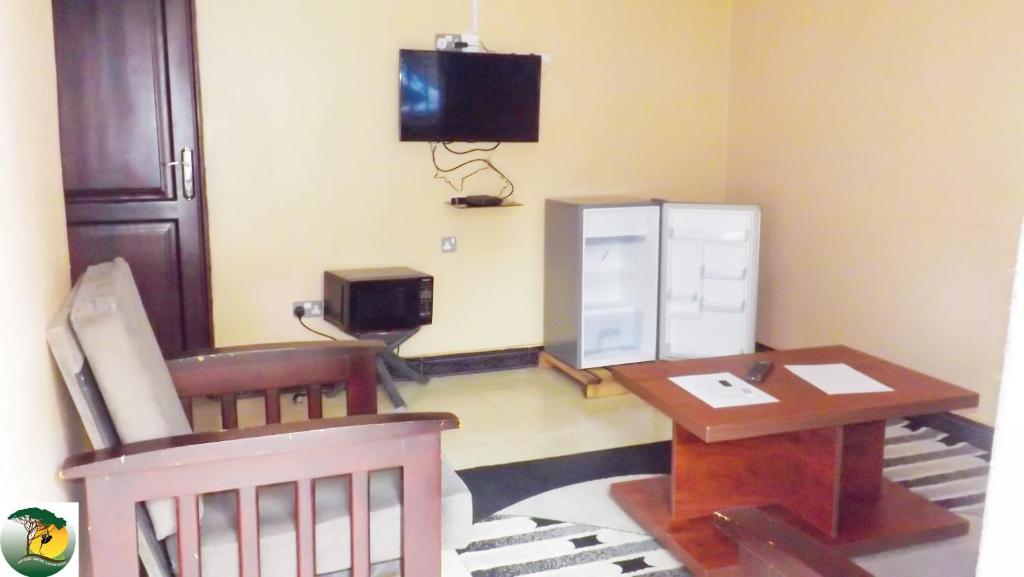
(119, 477)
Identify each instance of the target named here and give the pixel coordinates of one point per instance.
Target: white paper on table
(838, 379)
(723, 390)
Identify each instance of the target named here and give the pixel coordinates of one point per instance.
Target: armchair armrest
(265, 441)
(227, 370)
(771, 547)
(270, 368)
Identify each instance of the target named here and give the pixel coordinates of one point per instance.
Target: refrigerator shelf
(724, 274)
(622, 223)
(614, 239)
(696, 234)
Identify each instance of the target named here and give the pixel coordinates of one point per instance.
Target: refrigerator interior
(620, 271)
(710, 281)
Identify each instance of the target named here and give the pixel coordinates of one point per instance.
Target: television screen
(469, 96)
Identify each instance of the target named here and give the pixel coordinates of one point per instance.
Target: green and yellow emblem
(37, 543)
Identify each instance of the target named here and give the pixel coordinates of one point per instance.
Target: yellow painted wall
(37, 430)
(305, 171)
(884, 141)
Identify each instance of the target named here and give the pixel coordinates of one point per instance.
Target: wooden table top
(801, 406)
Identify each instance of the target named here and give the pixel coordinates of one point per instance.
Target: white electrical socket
(449, 244)
(310, 308)
(445, 41)
(448, 42)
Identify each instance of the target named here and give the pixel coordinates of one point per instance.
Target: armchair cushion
(67, 352)
(115, 334)
(219, 552)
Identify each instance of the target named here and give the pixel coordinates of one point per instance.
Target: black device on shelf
(469, 96)
(483, 200)
(369, 300)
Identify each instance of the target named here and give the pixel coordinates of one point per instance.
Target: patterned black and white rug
(554, 517)
(511, 545)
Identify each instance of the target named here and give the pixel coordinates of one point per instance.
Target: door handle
(187, 173)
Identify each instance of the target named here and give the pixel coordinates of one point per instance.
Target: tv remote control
(758, 372)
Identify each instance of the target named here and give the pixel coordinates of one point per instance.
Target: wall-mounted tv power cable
(484, 164)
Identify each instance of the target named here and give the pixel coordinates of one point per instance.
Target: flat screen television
(469, 96)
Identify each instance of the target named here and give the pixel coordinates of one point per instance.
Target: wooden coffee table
(813, 459)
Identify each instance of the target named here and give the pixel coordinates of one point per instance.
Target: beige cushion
(81, 385)
(219, 555)
(122, 350)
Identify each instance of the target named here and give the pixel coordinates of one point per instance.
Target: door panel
(150, 249)
(127, 96)
(114, 138)
(709, 291)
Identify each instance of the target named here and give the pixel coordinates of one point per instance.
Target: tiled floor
(506, 416)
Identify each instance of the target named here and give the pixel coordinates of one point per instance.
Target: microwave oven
(378, 299)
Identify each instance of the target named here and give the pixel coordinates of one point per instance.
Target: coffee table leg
(863, 455)
(799, 471)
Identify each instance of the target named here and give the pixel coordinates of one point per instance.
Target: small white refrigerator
(628, 280)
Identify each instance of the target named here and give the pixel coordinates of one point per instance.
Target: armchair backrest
(89, 397)
(114, 332)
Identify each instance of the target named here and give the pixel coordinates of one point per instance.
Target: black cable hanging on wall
(486, 164)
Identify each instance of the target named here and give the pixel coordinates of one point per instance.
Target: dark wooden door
(128, 109)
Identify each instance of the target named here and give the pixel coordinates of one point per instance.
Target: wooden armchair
(280, 499)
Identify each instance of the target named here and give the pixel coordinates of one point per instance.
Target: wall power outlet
(465, 42)
(311, 308)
